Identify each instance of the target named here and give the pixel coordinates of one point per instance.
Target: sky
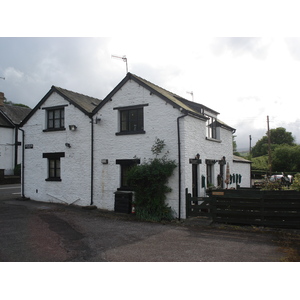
(240, 58)
(244, 79)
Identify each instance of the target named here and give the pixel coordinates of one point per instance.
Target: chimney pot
(1, 99)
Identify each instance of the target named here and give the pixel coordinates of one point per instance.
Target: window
(213, 130)
(55, 118)
(54, 165)
(131, 119)
(210, 171)
(126, 165)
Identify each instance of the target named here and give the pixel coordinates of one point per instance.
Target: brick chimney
(1, 99)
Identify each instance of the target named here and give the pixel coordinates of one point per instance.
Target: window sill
(53, 179)
(213, 140)
(54, 129)
(130, 132)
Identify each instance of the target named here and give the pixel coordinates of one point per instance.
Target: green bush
(17, 170)
(296, 183)
(271, 185)
(149, 181)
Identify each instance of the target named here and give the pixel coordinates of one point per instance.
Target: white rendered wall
(75, 166)
(159, 121)
(245, 170)
(7, 150)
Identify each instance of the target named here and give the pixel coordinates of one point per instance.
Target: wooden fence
(251, 207)
(197, 206)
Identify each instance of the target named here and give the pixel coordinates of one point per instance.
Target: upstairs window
(131, 119)
(55, 118)
(213, 130)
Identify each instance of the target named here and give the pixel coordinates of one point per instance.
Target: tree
(14, 104)
(234, 146)
(278, 136)
(286, 158)
(260, 163)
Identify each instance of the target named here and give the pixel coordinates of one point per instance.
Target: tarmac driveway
(35, 231)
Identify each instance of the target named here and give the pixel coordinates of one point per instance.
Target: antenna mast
(192, 94)
(124, 59)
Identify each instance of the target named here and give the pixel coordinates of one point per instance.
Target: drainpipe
(179, 166)
(23, 160)
(16, 146)
(92, 161)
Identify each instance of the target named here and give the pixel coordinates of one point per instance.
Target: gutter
(179, 165)
(23, 160)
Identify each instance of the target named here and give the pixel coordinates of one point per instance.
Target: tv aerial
(192, 94)
(123, 58)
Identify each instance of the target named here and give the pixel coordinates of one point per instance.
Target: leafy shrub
(149, 181)
(17, 170)
(271, 186)
(296, 183)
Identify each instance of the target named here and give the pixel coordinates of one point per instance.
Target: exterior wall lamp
(97, 120)
(72, 127)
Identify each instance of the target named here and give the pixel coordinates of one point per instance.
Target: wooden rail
(251, 207)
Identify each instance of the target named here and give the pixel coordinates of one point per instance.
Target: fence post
(212, 206)
(187, 203)
(262, 210)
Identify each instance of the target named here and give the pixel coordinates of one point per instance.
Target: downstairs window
(54, 165)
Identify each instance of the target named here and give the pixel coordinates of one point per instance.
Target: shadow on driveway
(35, 231)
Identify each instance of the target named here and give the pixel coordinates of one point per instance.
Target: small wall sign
(28, 146)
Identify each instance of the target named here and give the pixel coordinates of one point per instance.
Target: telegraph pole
(250, 139)
(269, 146)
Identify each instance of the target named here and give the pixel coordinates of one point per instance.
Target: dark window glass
(125, 166)
(56, 118)
(54, 168)
(132, 120)
(124, 175)
(212, 128)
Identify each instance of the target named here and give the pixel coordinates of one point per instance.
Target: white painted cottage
(10, 135)
(78, 148)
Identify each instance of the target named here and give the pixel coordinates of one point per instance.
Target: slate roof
(90, 105)
(179, 102)
(184, 103)
(13, 115)
(241, 159)
(83, 102)
(188, 105)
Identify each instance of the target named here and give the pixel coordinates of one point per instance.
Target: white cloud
(11, 73)
(245, 79)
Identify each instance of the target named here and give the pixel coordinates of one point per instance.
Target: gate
(197, 206)
(248, 207)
